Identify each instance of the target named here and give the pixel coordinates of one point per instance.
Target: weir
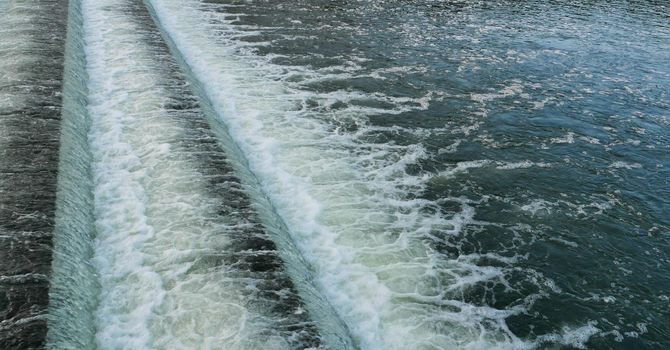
(31, 68)
(332, 329)
(346, 202)
(74, 283)
(317, 174)
(158, 244)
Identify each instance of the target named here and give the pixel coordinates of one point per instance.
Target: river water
(355, 175)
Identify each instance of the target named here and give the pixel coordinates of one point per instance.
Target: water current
(222, 174)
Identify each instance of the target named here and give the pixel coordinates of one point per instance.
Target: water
(180, 258)
(369, 175)
(440, 163)
(30, 84)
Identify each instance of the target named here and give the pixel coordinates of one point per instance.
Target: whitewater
(377, 175)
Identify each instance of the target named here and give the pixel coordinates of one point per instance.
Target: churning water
(336, 174)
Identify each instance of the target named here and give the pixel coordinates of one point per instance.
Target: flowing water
(31, 61)
(337, 174)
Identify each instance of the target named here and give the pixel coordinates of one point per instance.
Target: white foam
(515, 88)
(625, 165)
(154, 217)
(538, 205)
(568, 138)
(521, 165)
(342, 199)
(464, 166)
(569, 336)
(541, 104)
(451, 148)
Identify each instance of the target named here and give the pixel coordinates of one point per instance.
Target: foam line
(179, 259)
(343, 200)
